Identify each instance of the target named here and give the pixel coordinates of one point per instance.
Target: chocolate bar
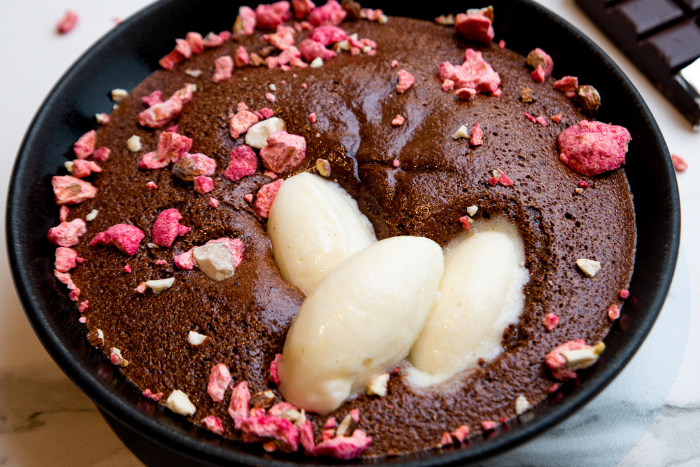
(662, 37)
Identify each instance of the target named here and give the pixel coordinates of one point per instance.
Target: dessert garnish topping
(522, 405)
(123, 236)
(624, 294)
(539, 58)
(591, 148)
(613, 312)
(85, 146)
(67, 22)
(155, 397)
(66, 234)
(96, 338)
(118, 94)
(550, 321)
(476, 25)
(179, 403)
(223, 68)
(323, 167)
(115, 356)
(397, 121)
(219, 380)
(588, 266)
(160, 285)
(196, 339)
(167, 227)
(462, 132)
(213, 424)
(678, 163)
(378, 385)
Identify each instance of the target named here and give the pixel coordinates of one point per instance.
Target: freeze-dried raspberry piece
(269, 16)
(153, 98)
(123, 236)
(63, 213)
(448, 85)
(161, 114)
(476, 25)
(329, 14)
(223, 67)
(265, 198)
(213, 202)
(344, 447)
(398, 121)
(306, 436)
(475, 136)
(541, 120)
(302, 8)
(678, 163)
(182, 46)
(539, 57)
(591, 148)
(538, 74)
(84, 305)
(466, 224)
(557, 363)
(67, 23)
(446, 439)
(71, 190)
(283, 38)
(312, 118)
(328, 35)
(556, 118)
(141, 288)
(530, 117)
(85, 146)
(234, 246)
(311, 49)
(203, 184)
(194, 39)
(239, 408)
(151, 186)
(219, 379)
(466, 94)
(172, 146)
(185, 260)
(370, 14)
(82, 168)
(461, 433)
(167, 227)
(567, 84)
(65, 259)
(127, 268)
(274, 370)
(169, 61)
(474, 73)
(243, 163)
(283, 151)
(212, 40)
(550, 321)
(241, 58)
(64, 277)
(241, 122)
(406, 80)
(101, 154)
(213, 424)
(613, 312)
(266, 112)
(245, 22)
(262, 427)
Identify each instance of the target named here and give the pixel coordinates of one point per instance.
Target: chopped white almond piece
(159, 285)
(582, 358)
(133, 144)
(118, 94)
(215, 261)
(343, 45)
(316, 62)
(588, 266)
(290, 414)
(522, 405)
(257, 134)
(69, 166)
(179, 403)
(377, 386)
(301, 420)
(383, 19)
(196, 338)
(194, 73)
(92, 215)
(462, 132)
(152, 245)
(101, 118)
(272, 87)
(323, 167)
(471, 210)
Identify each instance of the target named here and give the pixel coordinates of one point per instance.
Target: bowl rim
(107, 398)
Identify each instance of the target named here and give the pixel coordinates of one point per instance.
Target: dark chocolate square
(677, 46)
(644, 16)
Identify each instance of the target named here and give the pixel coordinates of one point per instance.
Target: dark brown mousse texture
(247, 316)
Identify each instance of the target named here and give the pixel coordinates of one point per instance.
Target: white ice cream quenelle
(359, 322)
(313, 226)
(482, 292)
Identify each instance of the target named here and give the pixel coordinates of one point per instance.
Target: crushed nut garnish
(588, 266)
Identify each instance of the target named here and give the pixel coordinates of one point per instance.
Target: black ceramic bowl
(130, 53)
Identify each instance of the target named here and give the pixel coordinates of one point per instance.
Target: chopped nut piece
(69, 166)
(589, 267)
(257, 134)
(522, 405)
(215, 261)
(445, 20)
(152, 245)
(196, 339)
(539, 58)
(471, 210)
(194, 73)
(118, 94)
(323, 167)
(102, 118)
(352, 7)
(378, 385)
(96, 338)
(316, 63)
(462, 132)
(179, 403)
(263, 400)
(347, 427)
(133, 144)
(272, 87)
(115, 356)
(526, 95)
(587, 98)
(159, 285)
(580, 359)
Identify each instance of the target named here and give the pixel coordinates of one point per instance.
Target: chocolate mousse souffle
(318, 236)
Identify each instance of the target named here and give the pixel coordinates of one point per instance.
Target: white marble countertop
(649, 416)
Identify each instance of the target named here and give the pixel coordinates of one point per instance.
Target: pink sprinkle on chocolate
(591, 148)
(241, 106)
(327, 35)
(448, 85)
(153, 98)
(540, 58)
(147, 393)
(167, 228)
(406, 80)
(283, 151)
(557, 363)
(538, 75)
(244, 162)
(65, 259)
(185, 260)
(613, 312)
(530, 117)
(397, 121)
(84, 306)
(461, 433)
(476, 25)
(241, 58)
(304, 85)
(501, 44)
(269, 173)
(101, 154)
(241, 123)
(212, 40)
(102, 118)
(64, 278)
(259, 114)
(466, 94)
(141, 288)
(82, 320)
(624, 294)
(270, 16)
(123, 236)
(161, 262)
(493, 181)
(82, 168)
(79, 260)
(85, 146)
(265, 198)
(161, 114)
(219, 379)
(260, 427)
(223, 68)
(550, 321)
(182, 46)
(556, 118)
(475, 136)
(541, 120)
(329, 14)
(127, 268)
(583, 184)
(194, 39)
(312, 117)
(169, 61)
(213, 424)
(248, 197)
(248, 19)
(344, 447)
(331, 423)
(63, 213)
(270, 97)
(311, 49)
(267, 112)
(66, 234)
(446, 439)
(566, 84)
(371, 14)
(274, 371)
(679, 164)
(302, 8)
(394, 63)
(488, 425)
(395, 163)
(234, 246)
(151, 186)
(239, 408)
(67, 22)
(203, 184)
(213, 202)
(475, 73)
(554, 388)
(465, 222)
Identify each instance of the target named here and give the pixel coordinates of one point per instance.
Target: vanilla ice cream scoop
(359, 322)
(314, 225)
(481, 293)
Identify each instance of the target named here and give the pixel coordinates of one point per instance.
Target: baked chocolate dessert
(381, 120)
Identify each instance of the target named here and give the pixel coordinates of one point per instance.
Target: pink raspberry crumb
(556, 118)
(283, 151)
(241, 58)
(501, 44)
(550, 321)
(85, 146)
(394, 63)
(554, 388)
(161, 262)
(167, 227)
(84, 306)
(446, 439)
(123, 236)
(153, 98)
(223, 68)
(461, 433)
(243, 162)
(127, 268)
(151, 186)
(265, 198)
(274, 371)
(270, 97)
(213, 202)
(538, 75)
(398, 121)
(476, 25)
(475, 136)
(395, 163)
(203, 184)
(624, 294)
(67, 22)
(241, 123)
(66, 234)
(213, 424)
(304, 85)
(267, 112)
(530, 117)
(679, 164)
(302, 8)
(406, 80)
(239, 408)
(65, 259)
(219, 380)
(465, 222)
(557, 363)
(613, 312)
(541, 120)
(312, 118)
(63, 213)
(329, 14)
(270, 16)
(141, 288)
(591, 148)
(488, 425)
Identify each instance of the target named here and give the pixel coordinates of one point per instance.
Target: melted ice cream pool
(360, 320)
(314, 225)
(482, 293)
